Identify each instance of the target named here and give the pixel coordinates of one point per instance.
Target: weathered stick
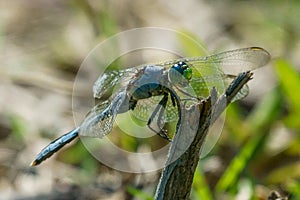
(177, 177)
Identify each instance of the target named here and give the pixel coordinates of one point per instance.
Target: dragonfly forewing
(234, 61)
(110, 79)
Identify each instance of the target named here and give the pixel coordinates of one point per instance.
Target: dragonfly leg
(176, 99)
(159, 108)
(54, 146)
(173, 99)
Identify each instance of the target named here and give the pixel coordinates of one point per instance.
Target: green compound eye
(188, 73)
(180, 73)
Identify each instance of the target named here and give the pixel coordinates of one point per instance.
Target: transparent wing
(231, 62)
(145, 107)
(242, 93)
(112, 78)
(99, 121)
(240, 59)
(211, 71)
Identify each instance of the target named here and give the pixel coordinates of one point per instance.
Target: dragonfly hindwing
(99, 121)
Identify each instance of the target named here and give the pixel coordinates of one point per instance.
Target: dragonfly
(154, 92)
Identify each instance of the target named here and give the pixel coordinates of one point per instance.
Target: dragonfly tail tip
(34, 163)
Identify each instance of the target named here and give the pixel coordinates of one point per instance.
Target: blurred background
(43, 44)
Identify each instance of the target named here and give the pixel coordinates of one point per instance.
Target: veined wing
(99, 121)
(145, 107)
(213, 71)
(112, 78)
(230, 62)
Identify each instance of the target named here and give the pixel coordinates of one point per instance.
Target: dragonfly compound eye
(178, 71)
(188, 73)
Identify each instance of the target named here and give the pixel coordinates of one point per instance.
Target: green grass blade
(259, 119)
(200, 186)
(289, 80)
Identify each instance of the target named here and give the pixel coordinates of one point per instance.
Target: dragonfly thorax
(151, 82)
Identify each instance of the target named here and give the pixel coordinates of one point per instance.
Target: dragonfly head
(180, 73)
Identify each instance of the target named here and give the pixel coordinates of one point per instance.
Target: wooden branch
(177, 177)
